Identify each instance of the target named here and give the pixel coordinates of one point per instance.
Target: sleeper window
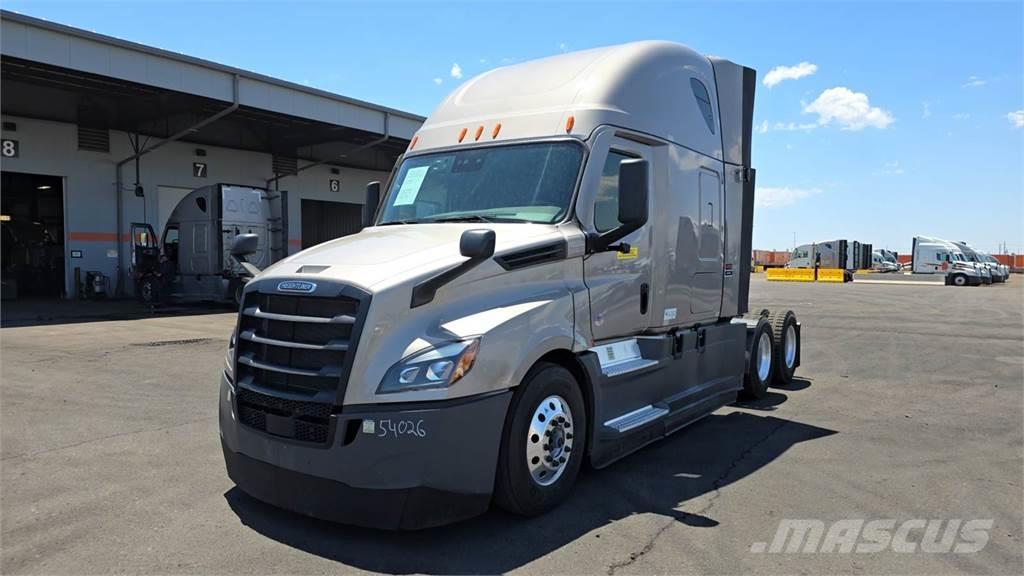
(700, 92)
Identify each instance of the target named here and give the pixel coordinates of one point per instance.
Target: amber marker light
(412, 144)
(479, 131)
(462, 135)
(569, 123)
(497, 128)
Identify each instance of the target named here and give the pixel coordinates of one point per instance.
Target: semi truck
(556, 273)
(884, 261)
(827, 254)
(999, 272)
(197, 239)
(930, 255)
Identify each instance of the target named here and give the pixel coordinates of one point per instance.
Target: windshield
(514, 183)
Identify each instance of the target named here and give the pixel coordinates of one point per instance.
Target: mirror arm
(246, 265)
(423, 293)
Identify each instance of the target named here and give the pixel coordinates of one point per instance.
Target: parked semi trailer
(556, 273)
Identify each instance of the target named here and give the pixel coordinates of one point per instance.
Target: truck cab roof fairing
(635, 86)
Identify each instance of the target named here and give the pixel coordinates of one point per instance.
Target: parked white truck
(999, 272)
(930, 255)
(557, 272)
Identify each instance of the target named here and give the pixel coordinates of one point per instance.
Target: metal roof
(35, 40)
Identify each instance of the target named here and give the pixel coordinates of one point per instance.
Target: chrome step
(636, 418)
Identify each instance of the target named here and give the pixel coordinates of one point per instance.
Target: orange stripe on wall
(295, 241)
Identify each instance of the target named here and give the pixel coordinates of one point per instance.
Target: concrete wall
(90, 205)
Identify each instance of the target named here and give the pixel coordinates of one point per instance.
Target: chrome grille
(295, 343)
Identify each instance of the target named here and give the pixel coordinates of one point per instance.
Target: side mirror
(244, 245)
(633, 193)
(372, 201)
(477, 244)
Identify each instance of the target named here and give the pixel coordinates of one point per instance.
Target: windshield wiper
(396, 222)
(471, 218)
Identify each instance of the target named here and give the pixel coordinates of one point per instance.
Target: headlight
(229, 360)
(437, 367)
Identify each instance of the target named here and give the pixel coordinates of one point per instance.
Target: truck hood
(387, 255)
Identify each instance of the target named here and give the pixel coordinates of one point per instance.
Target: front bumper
(417, 466)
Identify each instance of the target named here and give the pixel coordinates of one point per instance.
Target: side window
(700, 92)
(171, 236)
(709, 190)
(606, 206)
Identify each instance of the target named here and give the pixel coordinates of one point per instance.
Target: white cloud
(438, 81)
(926, 109)
(483, 60)
(775, 197)
(780, 73)
(764, 127)
(850, 110)
(890, 168)
(961, 116)
(1016, 118)
(973, 82)
(456, 71)
(563, 46)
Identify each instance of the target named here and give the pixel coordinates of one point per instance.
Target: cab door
(619, 283)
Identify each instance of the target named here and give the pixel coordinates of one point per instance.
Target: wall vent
(285, 166)
(93, 139)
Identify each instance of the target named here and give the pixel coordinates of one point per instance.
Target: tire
(959, 280)
(764, 313)
(787, 346)
(149, 290)
(525, 484)
(758, 375)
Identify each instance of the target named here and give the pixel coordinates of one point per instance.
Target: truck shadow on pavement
(659, 479)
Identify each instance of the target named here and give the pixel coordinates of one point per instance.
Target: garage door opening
(32, 222)
(323, 221)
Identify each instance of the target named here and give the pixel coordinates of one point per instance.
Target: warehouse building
(99, 133)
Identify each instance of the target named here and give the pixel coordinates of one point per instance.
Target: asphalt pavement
(909, 405)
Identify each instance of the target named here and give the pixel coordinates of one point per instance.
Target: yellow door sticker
(633, 253)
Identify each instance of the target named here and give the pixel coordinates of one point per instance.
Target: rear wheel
(787, 346)
(543, 442)
(759, 360)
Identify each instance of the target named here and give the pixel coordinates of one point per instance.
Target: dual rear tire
(773, 352)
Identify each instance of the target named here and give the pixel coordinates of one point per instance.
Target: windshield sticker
(411, 186)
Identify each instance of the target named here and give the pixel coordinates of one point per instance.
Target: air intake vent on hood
(532, 256)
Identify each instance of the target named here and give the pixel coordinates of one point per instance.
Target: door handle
(644, 290)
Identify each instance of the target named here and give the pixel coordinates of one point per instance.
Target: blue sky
(912, 121)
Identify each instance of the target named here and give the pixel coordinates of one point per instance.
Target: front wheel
(149, 290)
(544, 442)
(959, 280)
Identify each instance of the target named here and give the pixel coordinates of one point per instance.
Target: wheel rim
(959, 281)
(789, 345)
(764, 356)
(549, 440)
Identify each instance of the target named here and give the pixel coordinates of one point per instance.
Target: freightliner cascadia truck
(556, 274)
